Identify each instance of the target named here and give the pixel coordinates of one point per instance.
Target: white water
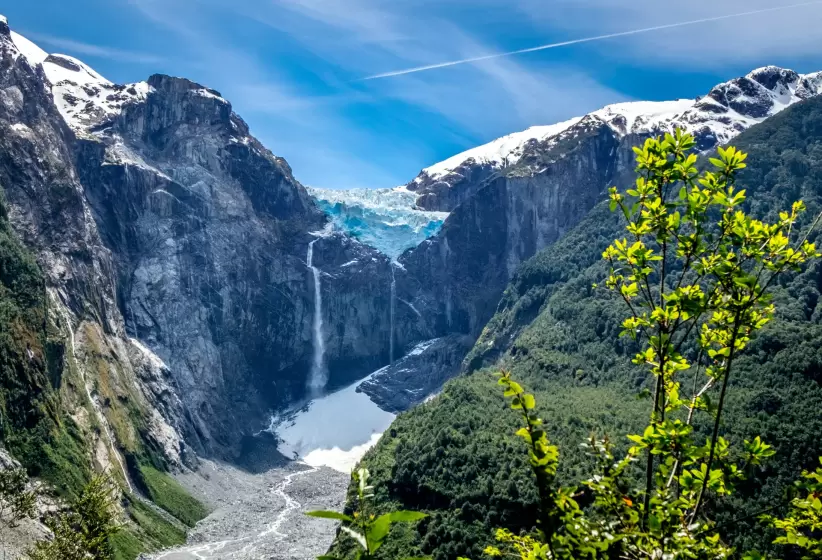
(290, 504)
(101, 419)
(319, 375)
(393, 311)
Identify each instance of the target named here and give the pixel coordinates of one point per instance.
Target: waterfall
(94, 405)
(319, 376)
(393, 305)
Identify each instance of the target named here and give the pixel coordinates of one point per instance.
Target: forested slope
(456, 457)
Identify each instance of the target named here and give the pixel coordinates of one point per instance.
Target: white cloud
(494, 97)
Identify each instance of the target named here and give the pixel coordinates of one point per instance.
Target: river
(260, 515)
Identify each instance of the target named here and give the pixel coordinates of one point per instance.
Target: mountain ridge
(715, 118)
(457, 457)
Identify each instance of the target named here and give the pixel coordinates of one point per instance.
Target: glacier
(386, 219)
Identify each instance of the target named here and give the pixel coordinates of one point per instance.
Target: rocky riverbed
(259, 516)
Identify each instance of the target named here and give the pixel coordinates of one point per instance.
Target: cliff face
(100, 378)
(207, 230)
(174, 235)
(463, 270)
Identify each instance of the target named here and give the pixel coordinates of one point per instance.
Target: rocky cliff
(518, 194)
(174, 246)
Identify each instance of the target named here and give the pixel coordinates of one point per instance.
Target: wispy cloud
(295, 68)
(783, 32)
(495, 97)
(87, 49)
(482, 58)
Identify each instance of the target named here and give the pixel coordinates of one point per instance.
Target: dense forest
(457, 458)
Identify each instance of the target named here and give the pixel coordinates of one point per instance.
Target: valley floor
(260, 516)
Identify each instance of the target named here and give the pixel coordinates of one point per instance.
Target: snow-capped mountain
(387, 219)
(84, 98)
(158, 217)
(714, 119)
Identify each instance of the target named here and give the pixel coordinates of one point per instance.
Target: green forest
(457, 458)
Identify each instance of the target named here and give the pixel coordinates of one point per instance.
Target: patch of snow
(119, 153)
(20, 128)
(151, 356)
(349, 263)
(643, 115)
(64, 67)
(83, 97)
(203, 92)
(502, 151)
(422, 347)
(334, 430)
(34, 54)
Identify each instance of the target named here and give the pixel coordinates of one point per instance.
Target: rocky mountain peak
(772, 76)
(728, 109)
(166, 83)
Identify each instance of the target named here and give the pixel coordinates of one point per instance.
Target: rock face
(159, 218)
(518, 194)
(460, 273)
(419, 374)
(48, 208)
(203, 223)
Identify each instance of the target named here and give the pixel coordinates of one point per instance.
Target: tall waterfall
(319, 375)
(393, 307)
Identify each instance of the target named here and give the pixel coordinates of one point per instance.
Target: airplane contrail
(585, 40)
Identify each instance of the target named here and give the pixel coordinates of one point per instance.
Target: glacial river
(260, 516)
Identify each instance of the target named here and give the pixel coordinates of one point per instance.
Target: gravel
(259, 516)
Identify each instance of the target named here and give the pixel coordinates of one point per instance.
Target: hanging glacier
(386, 219)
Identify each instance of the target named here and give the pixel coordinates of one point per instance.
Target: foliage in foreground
(803, 524)
(365, 528)
(86, 529)
(695, 277)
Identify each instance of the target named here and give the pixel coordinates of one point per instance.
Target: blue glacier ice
(386, 219)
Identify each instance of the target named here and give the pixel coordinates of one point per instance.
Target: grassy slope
(34, 425)
(455, 457)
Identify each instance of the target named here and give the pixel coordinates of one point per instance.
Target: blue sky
(295, 69)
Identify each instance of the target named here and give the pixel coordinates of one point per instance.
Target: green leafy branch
(367, 529)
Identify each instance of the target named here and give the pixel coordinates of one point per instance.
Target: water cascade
(319, 376)
(393, 306)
